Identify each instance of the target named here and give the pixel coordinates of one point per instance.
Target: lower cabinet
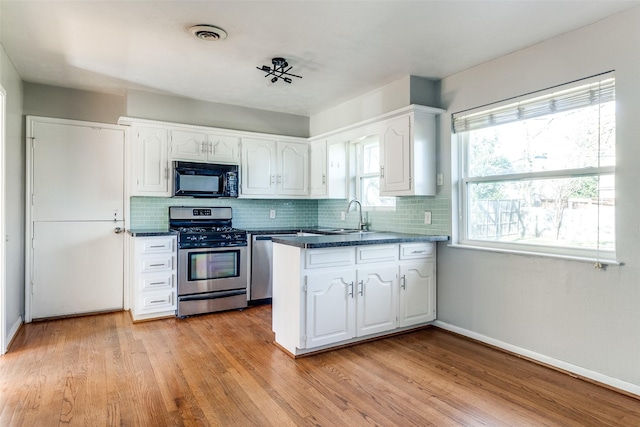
(153, 277)
(347, 294)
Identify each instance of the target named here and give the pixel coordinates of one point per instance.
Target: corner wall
(562, 312)
(14, 184)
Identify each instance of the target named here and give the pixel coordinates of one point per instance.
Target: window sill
(604, 261)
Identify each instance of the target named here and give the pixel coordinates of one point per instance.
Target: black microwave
(205, 180)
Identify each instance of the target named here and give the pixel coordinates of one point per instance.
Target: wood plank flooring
(223, 370)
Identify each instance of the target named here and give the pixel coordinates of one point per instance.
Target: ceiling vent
(208, 32)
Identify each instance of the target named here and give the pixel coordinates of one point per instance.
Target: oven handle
(212, 295)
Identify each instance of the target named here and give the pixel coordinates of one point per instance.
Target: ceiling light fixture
(208, 32)
(278, 71)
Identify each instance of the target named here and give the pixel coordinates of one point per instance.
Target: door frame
(28, 257)
(3, 240)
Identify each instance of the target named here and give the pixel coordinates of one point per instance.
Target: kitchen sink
(348, 231)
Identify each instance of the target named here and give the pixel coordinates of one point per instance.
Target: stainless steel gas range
(212, 260)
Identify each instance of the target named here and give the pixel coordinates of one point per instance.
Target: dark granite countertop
(356, 239)
(289, 230)
(151, 232)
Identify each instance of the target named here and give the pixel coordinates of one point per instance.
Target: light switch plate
(343, 215)
(272, 213)
(427, 217)
(439, 179)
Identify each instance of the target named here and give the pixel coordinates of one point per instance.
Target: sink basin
(348, 231)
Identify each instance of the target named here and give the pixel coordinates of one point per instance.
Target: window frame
(358, 150)
(461, 141)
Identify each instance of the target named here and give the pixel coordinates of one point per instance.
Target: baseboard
(614, 383)
(12, 333)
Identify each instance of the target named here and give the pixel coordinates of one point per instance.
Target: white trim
(12, 334)
(565, 366)
(3, 216)
(545, 254)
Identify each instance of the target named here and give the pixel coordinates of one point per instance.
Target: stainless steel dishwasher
(261, 286)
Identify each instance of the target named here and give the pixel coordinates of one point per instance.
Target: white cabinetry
(417, 284)
(274, 168)
(340, 295)
(204, 147)
(153, 277)
(150, 162)
(408, 154)
(328, 172)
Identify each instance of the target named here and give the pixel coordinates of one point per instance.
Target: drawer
(157, 263)
(376, 253)
(156, 282)
(319, 258)
(157, 301)
(416, 250)
(151, 245)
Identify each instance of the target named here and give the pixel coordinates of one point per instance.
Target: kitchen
(589, 328)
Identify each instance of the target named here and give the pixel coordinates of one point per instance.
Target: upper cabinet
(328, 172)
(274, 168)
(408, 154)
(150, 169)
(204, 147)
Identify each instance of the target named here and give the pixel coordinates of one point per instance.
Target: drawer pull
(418, 252)
(157, 246)
(158, 301)
(156, 265)
(156, 283)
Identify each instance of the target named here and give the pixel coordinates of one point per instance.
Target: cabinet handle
(157, 301)
(361, 284)
(156, 265)
(404, 282)
(273, 179)
(156, 283)
(324, 178)
(418, 252)
(166, 172)
(381, 172)
(203, 146)
(351, 289)
(279, 179)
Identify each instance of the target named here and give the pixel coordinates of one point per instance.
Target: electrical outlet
(343, 215)
(439, 179)
(272, 213)
(427, 217)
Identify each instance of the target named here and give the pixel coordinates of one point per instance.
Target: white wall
(14, 195)
(397, 94)
(563, 312)
(147, 105)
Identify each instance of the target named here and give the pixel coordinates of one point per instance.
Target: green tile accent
(153, 213)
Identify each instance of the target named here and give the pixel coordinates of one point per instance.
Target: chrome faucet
(362, 225)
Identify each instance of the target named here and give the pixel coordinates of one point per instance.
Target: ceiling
(342, 49)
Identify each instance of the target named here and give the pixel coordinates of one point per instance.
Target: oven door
(211, 269)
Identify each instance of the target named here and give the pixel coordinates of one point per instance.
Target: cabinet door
(330, 308)
(258, 171)
(189, 146)
(318, 171)
(376, 291)
(417, 293)
(152, 162)
(223, 149)
(293, 168)
(395, 156)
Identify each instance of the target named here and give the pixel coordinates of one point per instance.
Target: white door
(376, 290)
(330, 307)
(77, 205)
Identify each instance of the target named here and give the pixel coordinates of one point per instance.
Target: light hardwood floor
(223, 369)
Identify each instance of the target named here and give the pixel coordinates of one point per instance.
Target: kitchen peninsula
(338, 289)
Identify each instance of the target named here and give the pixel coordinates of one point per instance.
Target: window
(538, 174)
(368, 175)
